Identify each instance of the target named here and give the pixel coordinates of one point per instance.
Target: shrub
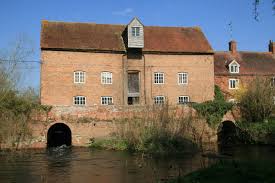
(157, 130)
(213, 111)
(257, 103)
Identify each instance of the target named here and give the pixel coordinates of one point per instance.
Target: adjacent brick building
(87, 64)
(234, 67)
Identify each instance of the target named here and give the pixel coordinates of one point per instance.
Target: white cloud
(125, 12)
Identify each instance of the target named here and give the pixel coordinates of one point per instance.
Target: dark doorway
(133, 87)
(59, 134)
(227, 133)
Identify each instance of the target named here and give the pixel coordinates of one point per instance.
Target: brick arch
(58, 134)
(226, 132)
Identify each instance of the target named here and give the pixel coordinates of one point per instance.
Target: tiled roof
(107, 37)
(261, 63)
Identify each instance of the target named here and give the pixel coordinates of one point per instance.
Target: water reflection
(86, 165)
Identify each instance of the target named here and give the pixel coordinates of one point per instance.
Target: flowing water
(81, 165)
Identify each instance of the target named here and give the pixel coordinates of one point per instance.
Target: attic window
(135, 31)
(234, 67)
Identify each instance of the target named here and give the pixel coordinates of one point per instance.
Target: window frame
(157, 78)
(135, 31)
(234, 67)
(77, 75)
(104, 81)
(183, 96)
(157, 99)
(79, 101)
(180, 77)
(237, 82)
(107, 98)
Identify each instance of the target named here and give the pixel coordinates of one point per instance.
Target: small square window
(182, 78)
(135, 31)
(159, 78)
(183, 99)
(79, 77)
(79, 100)
(106, 78)
(233, 83)
(159, 99)
(106, 100)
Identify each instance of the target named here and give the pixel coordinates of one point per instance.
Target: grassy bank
(158, 129)
(232, 171)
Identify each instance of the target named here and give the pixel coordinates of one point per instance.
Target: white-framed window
(159, 78)
(233, 83)
(106, 78)
(234, 67)
(135, 31)
(182, 78)
(183, 99)
(106, 100)
(79, 77)
(159, 99)
(273, 81)
(79, 100)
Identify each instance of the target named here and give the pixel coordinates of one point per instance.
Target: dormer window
(234, 67)
(135, 31)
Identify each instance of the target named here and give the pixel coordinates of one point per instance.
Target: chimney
(271, 47)
(233, 46)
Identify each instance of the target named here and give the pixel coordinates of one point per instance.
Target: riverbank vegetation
(16, 103)
(157, 129)
(257, 109)
(167, 129)
(232, 171)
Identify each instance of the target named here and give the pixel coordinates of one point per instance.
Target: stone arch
(59, 134)
(227, 133)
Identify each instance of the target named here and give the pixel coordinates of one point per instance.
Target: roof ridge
(94, 23)
(91, 23)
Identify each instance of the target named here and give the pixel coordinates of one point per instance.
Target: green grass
(232, 172)
(153, 145)
(109, 144)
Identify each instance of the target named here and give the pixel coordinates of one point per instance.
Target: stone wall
(99, 122)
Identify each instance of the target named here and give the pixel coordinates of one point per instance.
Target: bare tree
(256, 4)
(10, 62)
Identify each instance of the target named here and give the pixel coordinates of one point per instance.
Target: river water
(81, 165)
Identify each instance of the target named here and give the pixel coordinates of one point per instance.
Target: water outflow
(59, 134)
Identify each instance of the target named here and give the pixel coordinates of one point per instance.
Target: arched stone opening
(227, 133)
(59, 134)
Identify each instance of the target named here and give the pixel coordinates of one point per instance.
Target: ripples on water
(77, 165)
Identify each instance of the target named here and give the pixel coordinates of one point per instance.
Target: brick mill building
(234, 68)
(88, 64)
(97, 71)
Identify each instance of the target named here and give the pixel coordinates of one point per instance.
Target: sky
(23, 17)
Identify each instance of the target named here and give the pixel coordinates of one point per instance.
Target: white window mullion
(106, 78)
(158, 78)
(79, 100)
(182, 78)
